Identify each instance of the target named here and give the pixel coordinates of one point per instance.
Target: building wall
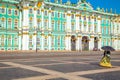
(52, 27)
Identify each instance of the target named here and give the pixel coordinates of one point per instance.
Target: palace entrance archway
(95, 43)
(85, 43)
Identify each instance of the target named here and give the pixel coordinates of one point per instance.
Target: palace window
(45, 13)
(30, 11)
(95, 29)
(80, 25)
(39, 23)
(84, 17)
(58, 40)
(89, 28)
(38, 11)
(16, 12)
(58, 14)
(9, 11)
(30, 40)
(72, 16)
(45, 24)
(3, 23)
(95, 19)
(2, 40)
(52, 25)
(58, 26)
(9, 23)
(89, 19)
(16, 41)
(52, 39)
(16, 23)
(52, 14)
(64, 15)
(63, 26)
(9, 40)
(80, 18)
(31, 22)
(73, 27)
(38, 41)
(46, 43)
(3, 10)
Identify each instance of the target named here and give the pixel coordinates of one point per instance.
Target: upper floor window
(9, 11)
(3, 10)
(84, 17)
(72, 16)
(16, 12)
(52, 14)
(30, 10)
(63, 15)
(58, 14)
(38, 11)
(46, 13)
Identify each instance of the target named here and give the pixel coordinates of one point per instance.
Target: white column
(111, 27)
(114, 27)
(35, 26)
(42, 20)
(115, 44)
(20, 34)
(77, 22)
(49, 42)
(91, 43)
(69, 43)
(92, 24)
(79, 43)
(99, 24)
(42, 42)
(25, 39)
(68, 21)
(50, 19)
(66, 43)
(87, 20)
(82, 25)
(99, 43)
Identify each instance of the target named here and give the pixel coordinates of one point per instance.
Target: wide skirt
(105, 62)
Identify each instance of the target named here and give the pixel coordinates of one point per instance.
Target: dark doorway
(85, 43)
(95, 43)
(73, 43)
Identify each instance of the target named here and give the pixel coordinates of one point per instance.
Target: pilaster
(91, 42)
(25, 39)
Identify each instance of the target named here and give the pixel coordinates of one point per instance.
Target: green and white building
(56, 26)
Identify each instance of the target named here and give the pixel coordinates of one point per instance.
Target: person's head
(108, 52)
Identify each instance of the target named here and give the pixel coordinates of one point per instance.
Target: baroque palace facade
(55, 26)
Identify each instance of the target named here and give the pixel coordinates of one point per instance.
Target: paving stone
(57, 79)
(104, 76)
(114, 63)
(73, 67)
(16, 73)
(37, 62)
(4, 65)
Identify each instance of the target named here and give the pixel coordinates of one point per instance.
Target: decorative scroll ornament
(39, 4)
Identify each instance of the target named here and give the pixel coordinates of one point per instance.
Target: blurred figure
(105, 61)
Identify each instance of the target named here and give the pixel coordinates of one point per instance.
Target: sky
(106, 4)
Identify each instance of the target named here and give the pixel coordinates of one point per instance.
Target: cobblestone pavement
(57, 67)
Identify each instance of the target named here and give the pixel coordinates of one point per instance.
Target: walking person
(105, 61)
